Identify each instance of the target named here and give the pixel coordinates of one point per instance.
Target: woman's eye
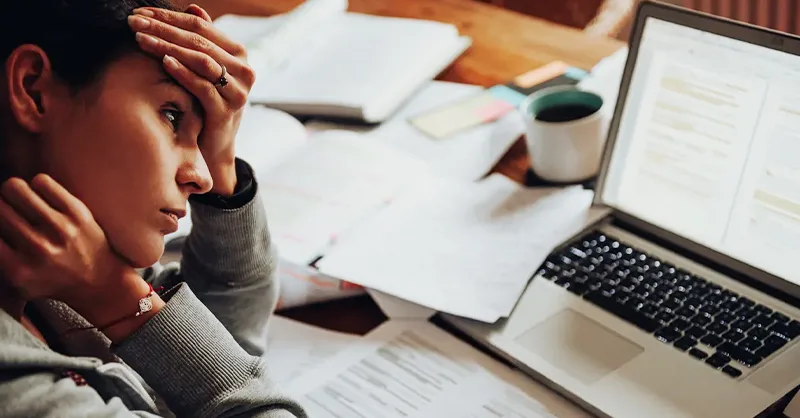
(174, 117)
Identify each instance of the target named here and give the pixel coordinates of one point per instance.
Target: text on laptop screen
(708, 145)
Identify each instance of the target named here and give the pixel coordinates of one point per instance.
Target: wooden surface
(505, 44)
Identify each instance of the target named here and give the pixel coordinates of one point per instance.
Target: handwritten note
(467, 249)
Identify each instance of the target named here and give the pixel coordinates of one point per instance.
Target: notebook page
(271, 41)
(413, 369)
(359, 59)
(324, 189)
(467, 249)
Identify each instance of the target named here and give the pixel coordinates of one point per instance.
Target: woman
(114, 113)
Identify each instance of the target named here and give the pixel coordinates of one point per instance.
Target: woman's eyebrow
(197, 108)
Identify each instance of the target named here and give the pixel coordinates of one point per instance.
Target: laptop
(682, 300)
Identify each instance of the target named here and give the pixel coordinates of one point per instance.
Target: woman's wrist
(117, 303)
(225, 179)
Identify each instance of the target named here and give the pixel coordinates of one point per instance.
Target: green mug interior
(565, 97)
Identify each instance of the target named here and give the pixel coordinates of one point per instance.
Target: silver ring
(222, 81)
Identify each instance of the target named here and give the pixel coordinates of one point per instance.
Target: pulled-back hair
(81, 37)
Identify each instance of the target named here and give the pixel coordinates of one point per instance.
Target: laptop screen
(708, 145)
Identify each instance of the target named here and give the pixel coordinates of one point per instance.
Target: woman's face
(127, 147)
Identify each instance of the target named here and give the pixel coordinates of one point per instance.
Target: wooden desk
(505, 44)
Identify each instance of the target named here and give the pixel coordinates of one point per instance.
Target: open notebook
(320, 60)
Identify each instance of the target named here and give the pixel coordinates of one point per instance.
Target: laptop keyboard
(710, 323)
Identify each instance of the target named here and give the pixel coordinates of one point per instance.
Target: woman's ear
(30, 86)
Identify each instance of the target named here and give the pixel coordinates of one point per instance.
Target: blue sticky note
(507, 94)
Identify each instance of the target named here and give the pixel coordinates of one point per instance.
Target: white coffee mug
(565, 132)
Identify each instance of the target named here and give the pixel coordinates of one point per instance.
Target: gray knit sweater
(198, 357)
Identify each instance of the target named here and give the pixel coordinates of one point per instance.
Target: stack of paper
(467, 249)
(412, 369)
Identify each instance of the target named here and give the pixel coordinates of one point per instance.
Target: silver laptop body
(681, 302)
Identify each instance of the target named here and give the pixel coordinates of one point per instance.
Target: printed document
(467, 249)
(294, 348)
(413, 369)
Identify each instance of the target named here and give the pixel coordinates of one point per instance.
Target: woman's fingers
(26, 202)
(18, 233)
(197, 85)
(195, 24)
(196, 52)
(10, 263)
(59, 198)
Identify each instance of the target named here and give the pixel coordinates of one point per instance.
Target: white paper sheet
(467, 249)
(412, 369)
(294, 348)
(467, 156)
(605, 79)
(329, 186)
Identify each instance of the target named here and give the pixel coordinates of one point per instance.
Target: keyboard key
(702, 319)
(684, 343)
(696, 332)
(668, 334)
(763, 320)
(795, 327)
(747, 314)
(731, 371)
(664, 317)
(718, 360)
(717, 328)
(763, 310)
(767, 350)
(698, 354)
(738, 354)
(759, 333)
(783, 329)
(649, 309)
(775, 340)
(634, 317)
(712, 340)
(671, 304)
(750, 344)
(685, 312)
(779, 317)
(742, 325)
(726, 318)
(680, 324)
(578, 288)
(733, 336)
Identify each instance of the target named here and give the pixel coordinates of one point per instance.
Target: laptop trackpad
(579, 346)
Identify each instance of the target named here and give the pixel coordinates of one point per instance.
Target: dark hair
(81, 37)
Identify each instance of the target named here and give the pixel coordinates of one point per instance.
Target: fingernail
(144, 12)
(146, 39)
(138, 22)
(170, 62)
